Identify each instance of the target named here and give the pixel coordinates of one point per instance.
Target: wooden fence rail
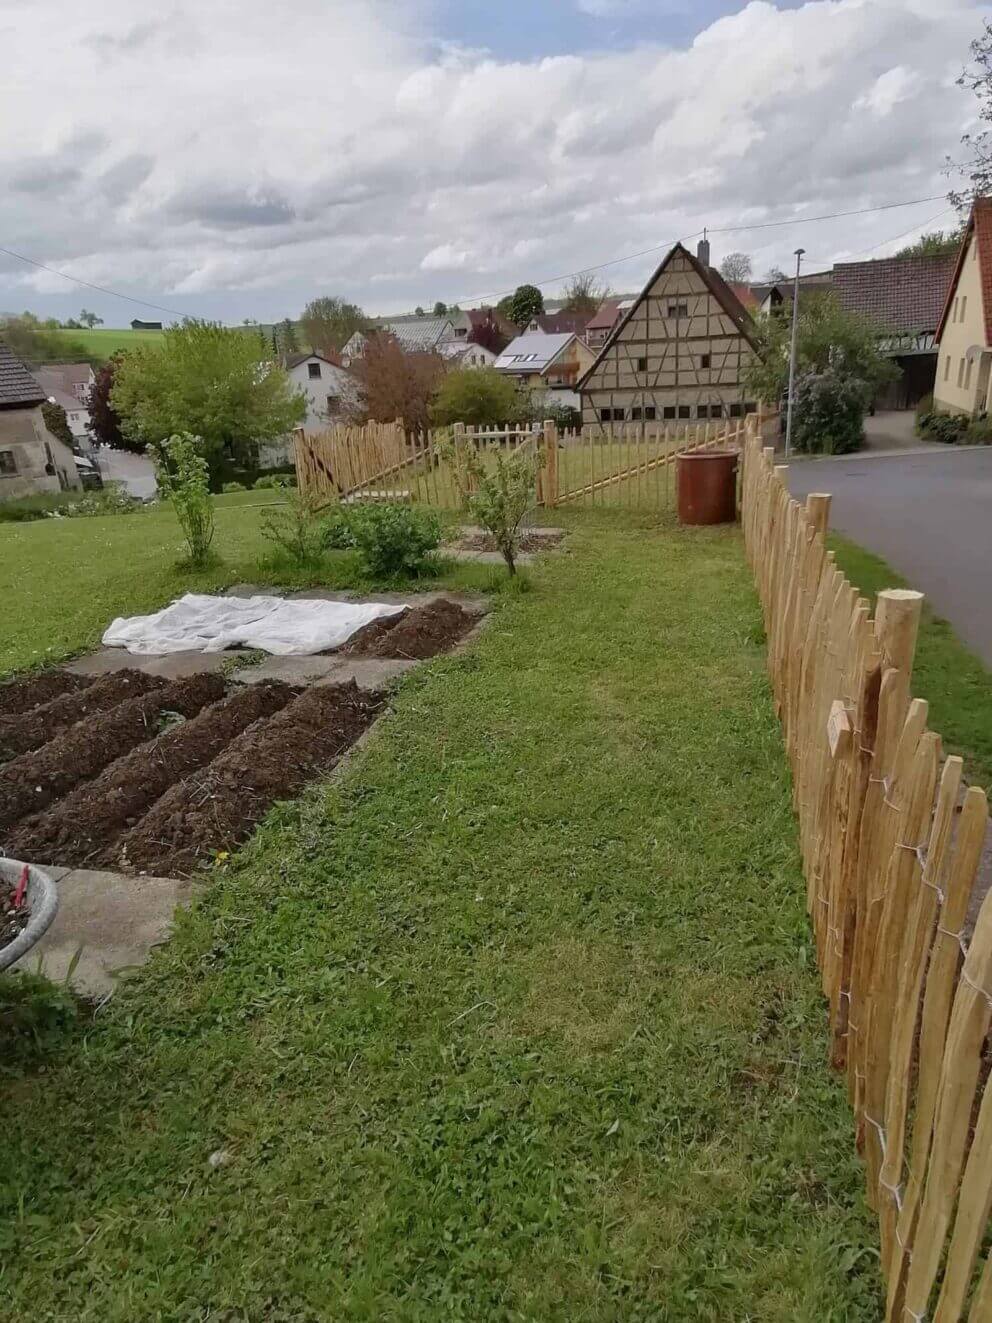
(891, 848)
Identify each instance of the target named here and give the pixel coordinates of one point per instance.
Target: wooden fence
(891, 845)
(630, 467)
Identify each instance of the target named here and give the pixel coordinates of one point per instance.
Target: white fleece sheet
(200, 623)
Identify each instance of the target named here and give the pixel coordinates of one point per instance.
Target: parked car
(89, 474)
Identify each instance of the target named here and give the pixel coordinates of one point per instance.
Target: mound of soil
(32, 781)
(82, 828)
(424, 632)
(528, 542)
(13, 918)
(22, 695)
(217, 807)
(370, 635)
(30, 730)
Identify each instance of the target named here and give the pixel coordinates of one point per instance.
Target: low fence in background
(630, 467)
(891, 851)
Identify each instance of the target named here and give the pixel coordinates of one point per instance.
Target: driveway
(929, 514)
(136, 472)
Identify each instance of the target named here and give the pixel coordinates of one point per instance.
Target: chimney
(703, 251)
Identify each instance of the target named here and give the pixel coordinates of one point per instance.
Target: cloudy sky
(233, 159)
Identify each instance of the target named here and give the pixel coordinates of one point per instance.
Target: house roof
(904, 293)
(559, 323)
(717, 286)
(455, 349)
(294, 360)
(423, 333)
(480, 317)
(52, 383)
(979, 224)
(18, 388)
(745, 295)
(604, 316)
(534, 351)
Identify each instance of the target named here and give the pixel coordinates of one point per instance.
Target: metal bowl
(43, 900)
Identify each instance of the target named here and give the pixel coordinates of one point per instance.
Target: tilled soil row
(218, 806)
(22, 695)
(419, 633)
(30, 730)
(83, 828)
(32, 781)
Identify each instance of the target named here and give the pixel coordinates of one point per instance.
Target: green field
(102, 343)
(515, 1022)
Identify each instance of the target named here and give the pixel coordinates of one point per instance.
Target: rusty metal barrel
(707, 487)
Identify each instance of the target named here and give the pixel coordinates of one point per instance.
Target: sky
(233, 160)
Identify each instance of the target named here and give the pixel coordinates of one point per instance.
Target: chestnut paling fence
(891, 845)
(629, 466)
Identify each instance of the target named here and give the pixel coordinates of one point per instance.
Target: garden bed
(418, 633)
(531, 540)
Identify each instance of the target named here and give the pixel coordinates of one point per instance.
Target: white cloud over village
(249, 154)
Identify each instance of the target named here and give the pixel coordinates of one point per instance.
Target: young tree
(285, 338)
(90, 319)
(328, 323)
(419, 312)
(526, 302)
(478, 396)
(212, 381)
(497, 497)
(105, 424)
(934, 244)
(57, 422)
(183, 477)
(584, 293)
(397, 384)
(736, 267)
(440, 309)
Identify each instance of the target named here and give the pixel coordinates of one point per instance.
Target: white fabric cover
(200, 623)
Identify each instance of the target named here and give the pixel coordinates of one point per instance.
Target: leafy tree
(977, 163)
(526, 303)
(212, 381)
(504, 307)
(285, 337)
(440, 309)
(829, 409)
(825, 330)
(183, 476)
(105, 424)
(736, 267)
(328, 323)
(775, 276)
(584, 293)
(935, 244)
(71, 324)
(33, 343)
(477, 396)
(90, 319)
(398, 384)
(57, 422)
(496, 496)
(419, 312)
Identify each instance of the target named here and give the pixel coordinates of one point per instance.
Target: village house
(679, 352)
(551, 364)
(964, 330)
(414, 334)
(602, 322)
(69, 384)
(559, 323)
(466, 354)
(31, 459)
(332, 394)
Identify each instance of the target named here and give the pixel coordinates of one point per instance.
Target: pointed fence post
(550, 472)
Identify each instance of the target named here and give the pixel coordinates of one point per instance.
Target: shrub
(828, 411)
(113, 499)
(979, 431)
(184, 478)
(37, 506)
(275, 480)
(36, 1018)
(395, 539)
(295, 529)
(948, 428)
(337, 531)
(233, 487)
(497, 497)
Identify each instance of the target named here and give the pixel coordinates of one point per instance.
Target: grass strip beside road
(516, 1021)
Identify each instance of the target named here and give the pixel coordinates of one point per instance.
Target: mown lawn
(103, 343)
(517, 1020)
(956, 683)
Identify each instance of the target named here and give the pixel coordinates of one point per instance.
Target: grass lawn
(517, 1020)
(955, 682)
(103, 343)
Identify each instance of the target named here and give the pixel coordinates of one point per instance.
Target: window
(7, 464)
(313, 369)
(642, 365)
(750, 408)
(736, 410)
(967, 375)
(702, 410)
(716, 410)
(668, 411)
(635, 414)
(606, 415)
(954, 313)
(964, 305)
(704, 360)
(947, 367)
(960, 371)
(333, 403)
(685, 411)
(650, 413)
(678, 310)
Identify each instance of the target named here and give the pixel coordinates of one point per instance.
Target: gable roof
(18, 389)
(534, 351)
(558, 323)
(479, 317)
(904, 293)
(294, 360)
(714, 282)
(604, 316)
(979, 225)
(52, 383)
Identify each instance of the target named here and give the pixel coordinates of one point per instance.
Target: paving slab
(367, 672)
(116, 919)
(171, 665)
(290, 670)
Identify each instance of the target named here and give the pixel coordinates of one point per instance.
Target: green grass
(517, 1020)
(102, 344)
(955, 683)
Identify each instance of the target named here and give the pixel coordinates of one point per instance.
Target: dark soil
(424, 632)
(370, 635)
(529, 542)
(82, 829)
(22, 695)
(218, 806)
(32, 781)
(29, 730)
(13, 919)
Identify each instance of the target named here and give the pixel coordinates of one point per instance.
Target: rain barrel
(707, 486)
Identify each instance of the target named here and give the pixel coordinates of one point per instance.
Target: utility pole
(792, 355)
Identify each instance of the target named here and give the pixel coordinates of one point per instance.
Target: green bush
(295, 530)
(979, 431)
(183, 476)
(949, 428)
(38, 506)
(337, 531)
(395, 539)
(275, 480)
(233, 487)
(828, 411)
(36, 1017)
(112, 500)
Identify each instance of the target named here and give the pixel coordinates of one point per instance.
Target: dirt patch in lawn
(29, 730)
(83, 828)
(34, 780)
(528, 543)
(217, 807)
(13, 918)
(419, 633)
(22, 695)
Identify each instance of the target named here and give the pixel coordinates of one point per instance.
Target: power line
(101, 289)
(922, 225)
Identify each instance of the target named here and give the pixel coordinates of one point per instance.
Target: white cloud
(240, 157)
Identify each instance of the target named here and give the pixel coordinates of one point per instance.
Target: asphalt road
(929, 514)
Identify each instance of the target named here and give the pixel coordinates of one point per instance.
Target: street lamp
(792, 355)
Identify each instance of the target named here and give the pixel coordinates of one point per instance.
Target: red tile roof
(746, 296)
(900, 293)
(605, 316)
(979, 224)
(561, 323)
